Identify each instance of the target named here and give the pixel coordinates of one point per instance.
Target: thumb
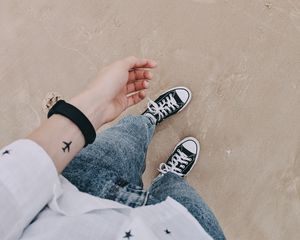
(134, 62)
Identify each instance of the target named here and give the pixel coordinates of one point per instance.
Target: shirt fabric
(37, 203)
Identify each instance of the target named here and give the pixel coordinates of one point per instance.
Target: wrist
(91, 107)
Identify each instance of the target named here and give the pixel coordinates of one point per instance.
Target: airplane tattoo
(6, 152)
(67, 146)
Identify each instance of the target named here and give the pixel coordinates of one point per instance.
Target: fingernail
(142, 94)
(146, 84)
(150, 75)
(153, 63)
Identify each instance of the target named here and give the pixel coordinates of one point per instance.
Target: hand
(117, 87)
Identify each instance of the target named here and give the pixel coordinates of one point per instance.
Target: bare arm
(102, 101)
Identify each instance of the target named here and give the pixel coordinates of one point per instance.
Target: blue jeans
(113, 165)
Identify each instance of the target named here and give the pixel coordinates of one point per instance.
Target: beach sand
(240, 58)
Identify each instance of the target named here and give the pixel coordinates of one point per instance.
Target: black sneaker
(183, 158)
(167, 104)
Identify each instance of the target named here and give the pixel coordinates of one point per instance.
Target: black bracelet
(77, 117)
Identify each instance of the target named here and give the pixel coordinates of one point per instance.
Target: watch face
(50, 99)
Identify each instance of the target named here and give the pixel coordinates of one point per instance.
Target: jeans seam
(145, 199)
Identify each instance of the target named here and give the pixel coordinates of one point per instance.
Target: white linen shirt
(38, 204)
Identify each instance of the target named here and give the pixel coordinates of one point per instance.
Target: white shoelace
(178, 157)
(163, 108)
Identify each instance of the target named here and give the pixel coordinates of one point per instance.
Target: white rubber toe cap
(183, 94)
(191, 146)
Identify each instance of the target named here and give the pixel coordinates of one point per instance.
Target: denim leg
(118, 154)
(176, 187)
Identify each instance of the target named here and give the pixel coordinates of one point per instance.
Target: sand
(240, 58)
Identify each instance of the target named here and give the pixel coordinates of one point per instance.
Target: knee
(138, 126)
(136, 121)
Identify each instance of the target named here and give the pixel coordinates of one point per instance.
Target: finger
(134, 62)
(135, 98)
(137, 86)
(137, 74)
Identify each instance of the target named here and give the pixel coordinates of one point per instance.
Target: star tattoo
(128, 235)
(6, 152)
(167, 231)
(67, 146)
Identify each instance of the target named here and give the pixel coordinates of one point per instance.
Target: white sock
(151, 118)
